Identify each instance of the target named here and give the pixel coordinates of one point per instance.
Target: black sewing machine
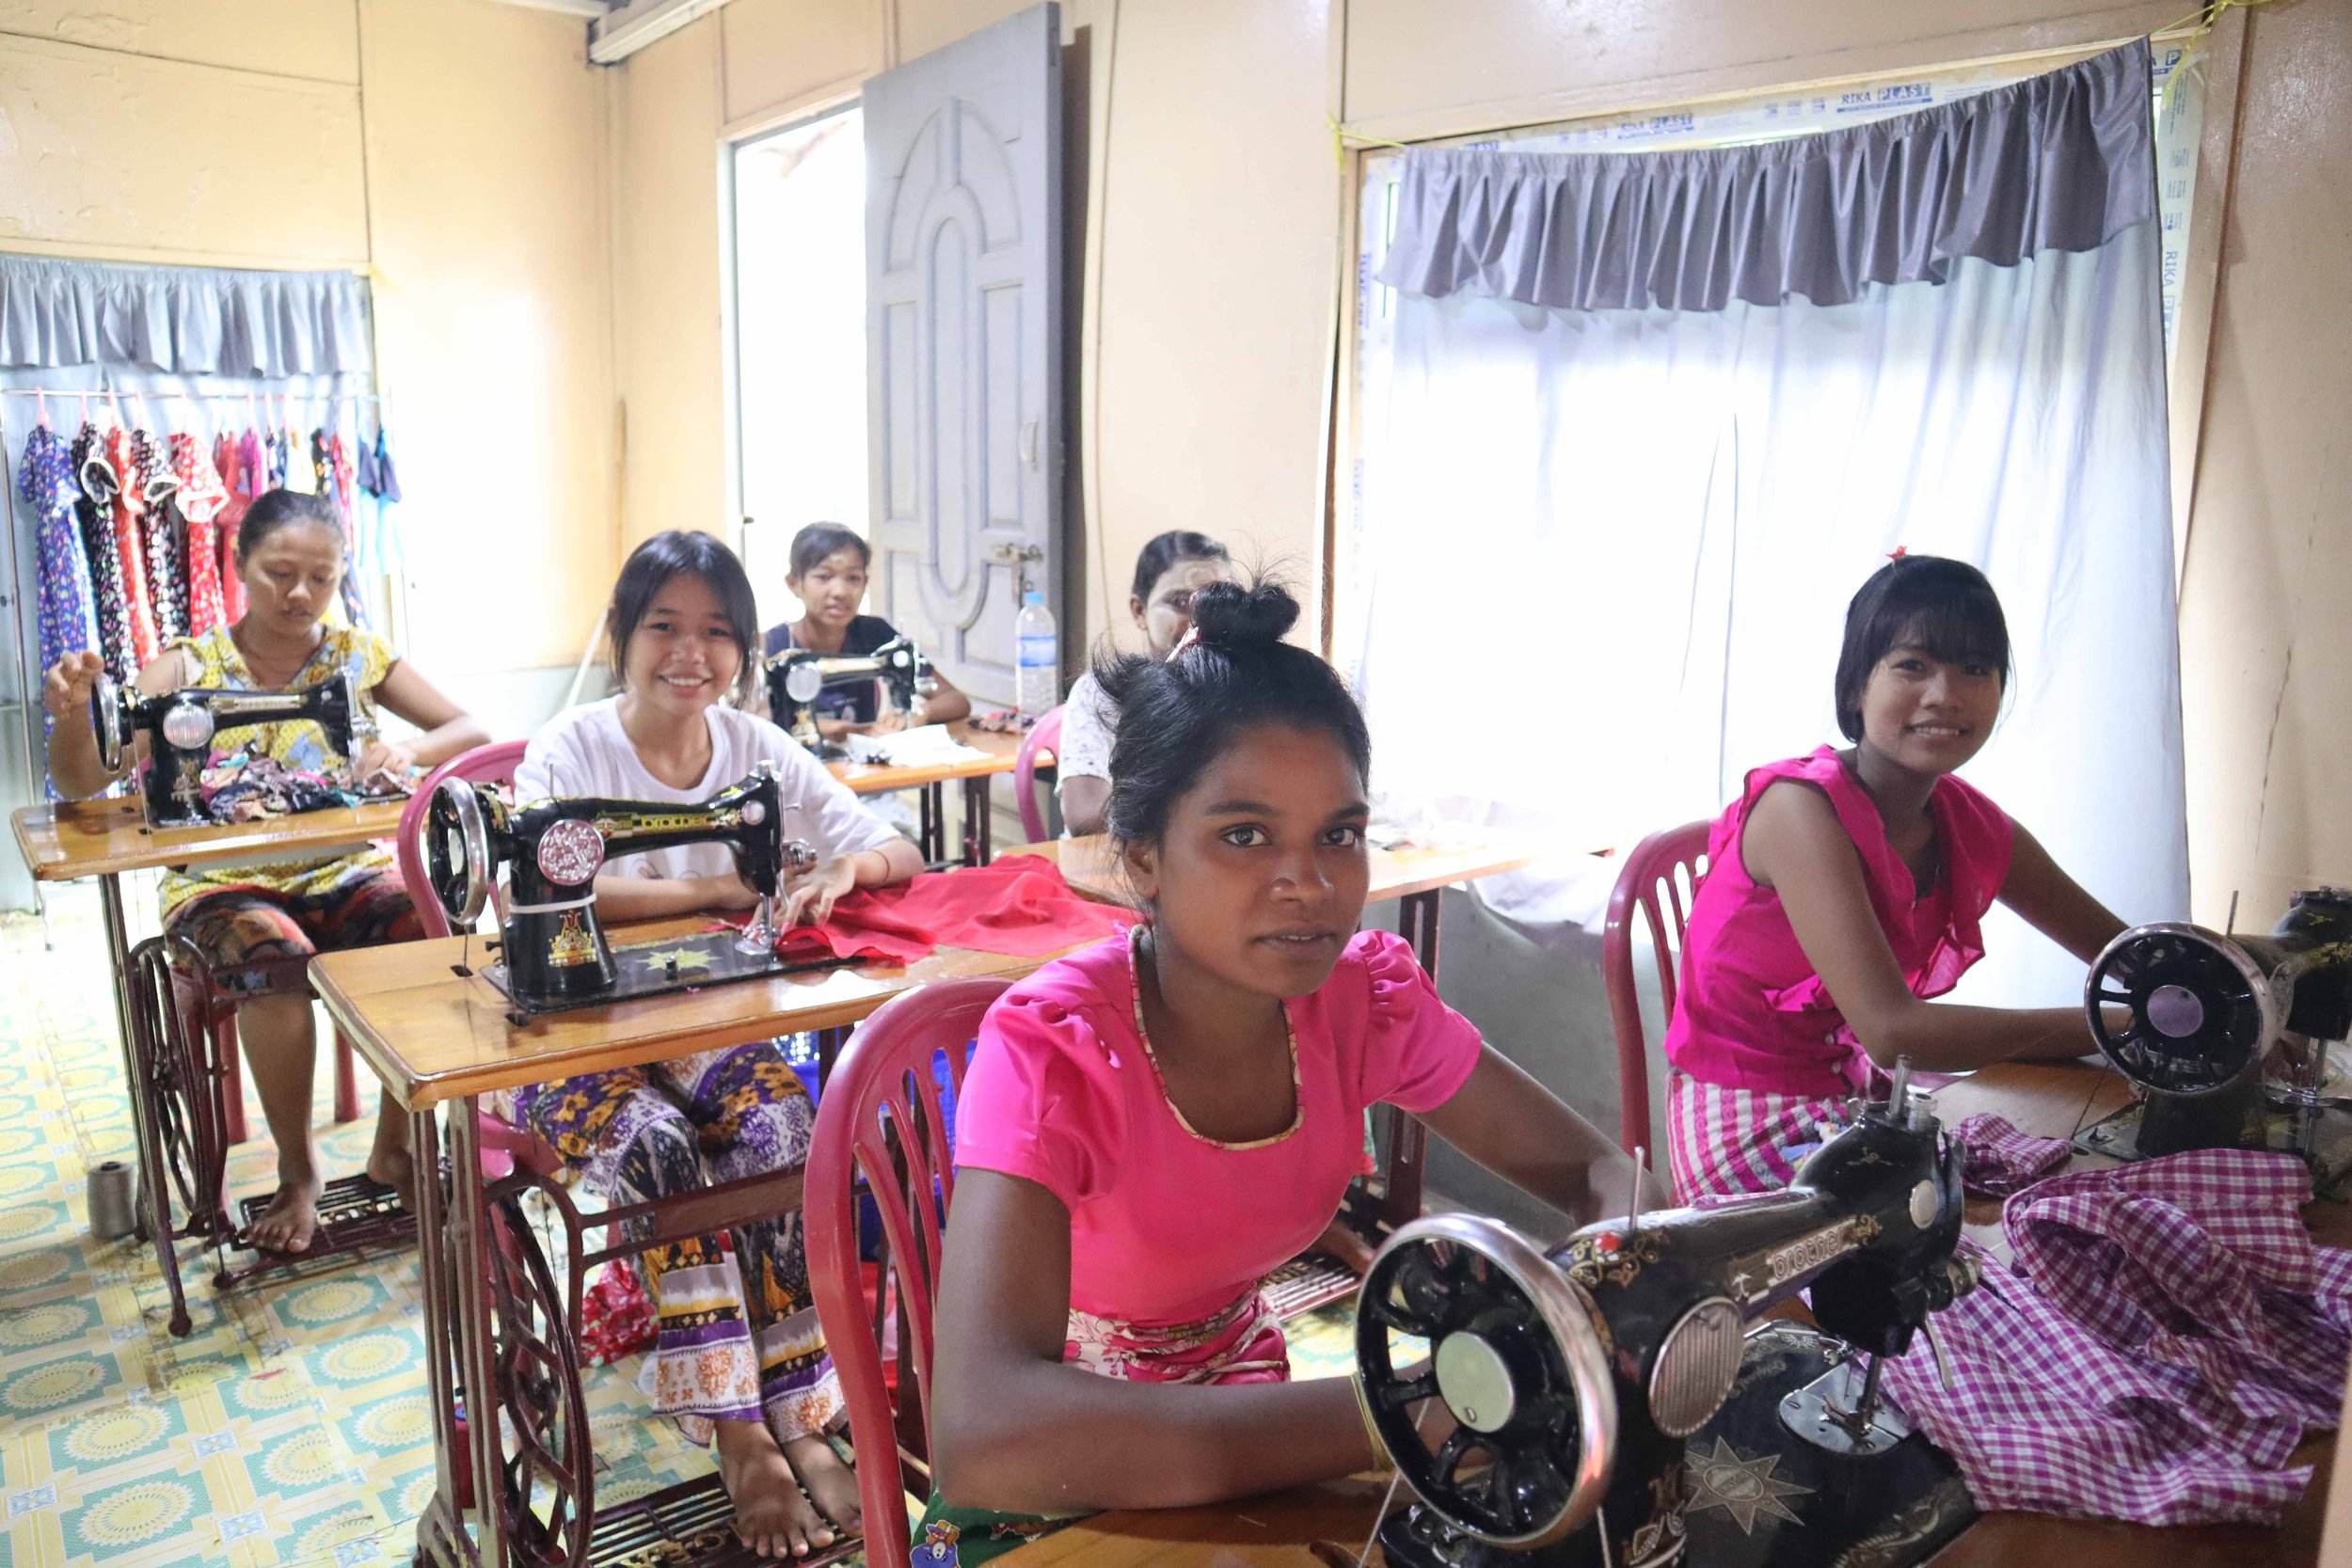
(797, 677)
(179, 726)
(1612, 1408)
(2227, 1038)
(555, 955)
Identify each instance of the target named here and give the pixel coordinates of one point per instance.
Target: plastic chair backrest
(491, 764)
(1044, 735)
(881, 1116)
(1660, 877)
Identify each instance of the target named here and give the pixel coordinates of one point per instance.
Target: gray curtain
(181, 321)
(2062, 162)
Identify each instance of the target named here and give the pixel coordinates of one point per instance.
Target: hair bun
(1229, 616)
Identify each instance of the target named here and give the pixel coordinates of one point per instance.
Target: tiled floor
(289, 1426)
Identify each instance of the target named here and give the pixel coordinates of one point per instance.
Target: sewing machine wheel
(802, 682)
(1514, 1355)
(2201, 1014)
(547, 1475)
(105, 715)
(457, 852)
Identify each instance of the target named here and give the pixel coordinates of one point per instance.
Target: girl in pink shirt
(1844, 890)
(1152, 1124)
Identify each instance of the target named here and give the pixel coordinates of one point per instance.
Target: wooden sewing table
(67, 841)
(440, 1034)
(1326, 1526)
(999, 754)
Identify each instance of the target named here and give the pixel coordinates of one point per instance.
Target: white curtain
(1605, 556)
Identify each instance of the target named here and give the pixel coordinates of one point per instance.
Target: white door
(964, 264)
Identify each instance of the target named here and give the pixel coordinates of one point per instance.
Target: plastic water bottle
(1039, 667)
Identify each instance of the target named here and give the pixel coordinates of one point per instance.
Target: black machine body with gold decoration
(2230, 1040)
(554, 952)
(797, 677)
(181, 725)
(1611, 1405)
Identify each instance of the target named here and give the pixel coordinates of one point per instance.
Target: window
(799, 340)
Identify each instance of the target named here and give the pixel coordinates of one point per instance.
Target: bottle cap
(1033, 596)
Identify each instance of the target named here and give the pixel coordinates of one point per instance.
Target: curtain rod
(116, 394)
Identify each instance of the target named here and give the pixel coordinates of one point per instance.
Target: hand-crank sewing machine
(179, 727)
(555, 955)
(1612, 1408)
(2228, 1037)
(798, 676)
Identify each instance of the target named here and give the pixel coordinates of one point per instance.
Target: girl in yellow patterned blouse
(290, 556)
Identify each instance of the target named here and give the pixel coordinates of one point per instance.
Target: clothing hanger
(40, 409)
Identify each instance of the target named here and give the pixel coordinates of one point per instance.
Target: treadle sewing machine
(179, 727)
(555, 955)
(1610, 1406)
(798, 676)
(2227, 1038)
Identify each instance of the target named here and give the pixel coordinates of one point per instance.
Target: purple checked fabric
(2000, 1159)
(2166, 1337)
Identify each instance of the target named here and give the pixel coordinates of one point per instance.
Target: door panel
(964, 289)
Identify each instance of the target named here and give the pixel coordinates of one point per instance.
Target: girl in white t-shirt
(739, 1357)
(1170, 570)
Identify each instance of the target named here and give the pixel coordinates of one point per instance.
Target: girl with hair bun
(1844, 890)
(1152, 1124)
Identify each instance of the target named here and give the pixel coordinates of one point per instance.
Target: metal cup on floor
(113, 1207)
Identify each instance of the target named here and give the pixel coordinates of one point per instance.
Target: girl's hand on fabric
(385, 763)
(64, 691)
(726, 892)
(887, 720)
(834, 729)
(812, 897)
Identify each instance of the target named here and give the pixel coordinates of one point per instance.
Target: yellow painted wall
(457, 144)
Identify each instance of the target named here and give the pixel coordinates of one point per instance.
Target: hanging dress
(163, 535)
(334, 465)
(379, 482)
(202, 499)
(68, 615)
(113, 482)
(241, 472)
(94, 521)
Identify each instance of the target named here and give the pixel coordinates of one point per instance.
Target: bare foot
(771, 1517)
(391, 1161)
(1339, 1242)
(292, 1219)
(832, 1483)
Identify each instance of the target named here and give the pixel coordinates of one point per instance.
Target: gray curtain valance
(187, 321)
(2063, 161)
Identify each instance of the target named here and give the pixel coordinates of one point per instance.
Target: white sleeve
(834, 820)
(1088, 726)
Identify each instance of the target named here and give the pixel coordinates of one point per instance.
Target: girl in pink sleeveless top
(1152, 1124)
(1844, 890)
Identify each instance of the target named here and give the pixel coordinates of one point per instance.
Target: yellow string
(1341, 138)
(2205, 16)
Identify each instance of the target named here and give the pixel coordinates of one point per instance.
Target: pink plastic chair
(880, 1117)
(1044, 735)
(1660, 877)
(491, 764)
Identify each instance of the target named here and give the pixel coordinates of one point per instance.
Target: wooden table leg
(469, 1293)
(930, 839)
(975, 823)
(442, 1538)
(119, 966)
(1409, 1141)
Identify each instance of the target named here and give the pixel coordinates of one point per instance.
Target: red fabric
(615, 1316)
(1021, 905)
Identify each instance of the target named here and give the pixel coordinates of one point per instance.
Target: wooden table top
(1087, 865)
(432, 1034)
(998, 754)
(71, 839)
(1302, 1527)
